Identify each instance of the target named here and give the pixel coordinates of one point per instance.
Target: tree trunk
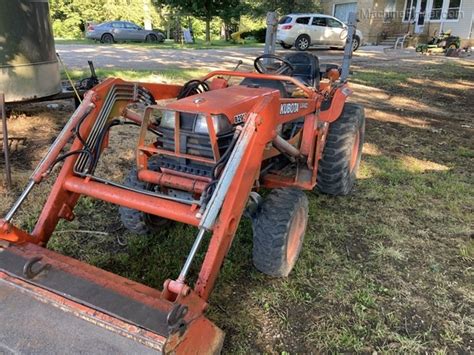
(208, 29)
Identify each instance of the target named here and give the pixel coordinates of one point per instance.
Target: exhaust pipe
(286, 148)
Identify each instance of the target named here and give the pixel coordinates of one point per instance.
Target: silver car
(115, 31)
(305, 30)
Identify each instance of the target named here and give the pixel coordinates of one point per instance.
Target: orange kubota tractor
(204, 152)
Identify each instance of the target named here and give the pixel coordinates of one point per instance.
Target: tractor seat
(306, 68)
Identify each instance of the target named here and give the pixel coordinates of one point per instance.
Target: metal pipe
(214, 206)
(283, 146)
(173, 181)
(52, 154)
(6, 149)
(67, 132)
(227, 177)
(19, 201)
(158, 206)
(191, 255)
(346, 62)
(132, 116)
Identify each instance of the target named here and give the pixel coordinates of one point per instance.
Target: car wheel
(286, 46)
(161, 38)
(302, 42)
(107, 38)
(151, 39)
(355, 43)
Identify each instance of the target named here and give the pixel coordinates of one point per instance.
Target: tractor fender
(336, 104)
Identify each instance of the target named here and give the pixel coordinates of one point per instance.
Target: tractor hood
(234, 102)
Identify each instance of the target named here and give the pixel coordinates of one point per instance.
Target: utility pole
(270, 37)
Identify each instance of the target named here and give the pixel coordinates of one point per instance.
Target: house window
(445, 10)
(409, 10)
(453, 9)
(436, 10)
(389, 11)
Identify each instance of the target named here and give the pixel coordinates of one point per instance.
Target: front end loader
(205, 152)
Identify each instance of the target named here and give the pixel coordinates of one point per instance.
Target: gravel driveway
(137, 57)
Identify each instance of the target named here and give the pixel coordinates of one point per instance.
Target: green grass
(169, 74)
(169, 44)
(377, 78)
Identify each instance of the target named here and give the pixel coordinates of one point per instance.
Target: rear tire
(137, 221)
(151, 39)
(161, 38)
(355, 43)
(342, 152)
(278, 231)
(107, 38)
(303, 42)
(286, 46)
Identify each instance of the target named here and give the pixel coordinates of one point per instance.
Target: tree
(70, 16)
(283, 7)
(204, 9)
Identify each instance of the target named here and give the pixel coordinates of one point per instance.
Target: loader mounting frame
(179, 304)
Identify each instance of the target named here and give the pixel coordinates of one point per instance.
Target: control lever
(239, 63)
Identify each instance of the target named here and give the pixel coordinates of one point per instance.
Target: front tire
(278, 231)
(342, 152)
(303, 42)
(107, 38)
(137, 221)
(286, 46)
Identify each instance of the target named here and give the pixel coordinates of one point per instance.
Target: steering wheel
(285, 66)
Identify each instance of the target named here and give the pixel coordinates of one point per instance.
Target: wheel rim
(355, 152)
(295, 234)
(452, 46)
(303, 44)
(107, 39)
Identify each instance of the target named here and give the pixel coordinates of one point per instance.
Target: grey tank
(29, 68)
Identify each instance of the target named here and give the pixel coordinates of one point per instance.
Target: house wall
(364, 26)
(371, 17)
(462, 27)
(374, 24)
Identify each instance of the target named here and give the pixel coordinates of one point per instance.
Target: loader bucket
(50, 303)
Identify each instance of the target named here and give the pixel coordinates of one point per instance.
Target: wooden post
(6, 149)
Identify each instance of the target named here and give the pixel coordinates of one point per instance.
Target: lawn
(161, 75)
(168, 44)
(387, 269)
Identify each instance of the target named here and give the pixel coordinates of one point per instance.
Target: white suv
(304, 30)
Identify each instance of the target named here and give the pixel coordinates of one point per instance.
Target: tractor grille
(192, 143)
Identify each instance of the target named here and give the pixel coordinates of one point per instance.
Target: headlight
(168, 118)
(220, 122)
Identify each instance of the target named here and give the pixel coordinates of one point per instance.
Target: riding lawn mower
(440, 43)
(205, 152)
